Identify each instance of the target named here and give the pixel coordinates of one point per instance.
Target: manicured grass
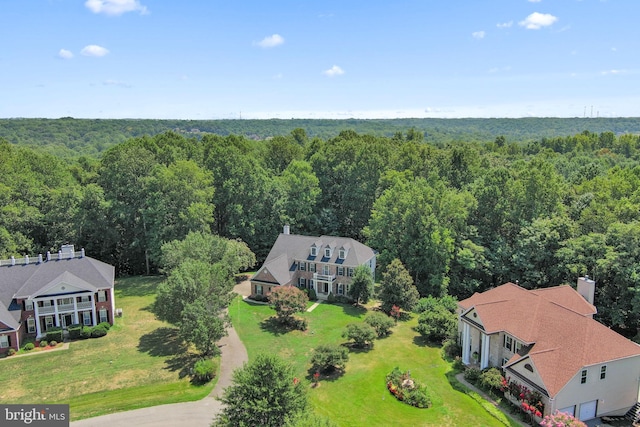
(359, 397)
(139, 363)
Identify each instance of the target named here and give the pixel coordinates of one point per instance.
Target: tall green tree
(397, 288)
(361, 289)
(263, 393)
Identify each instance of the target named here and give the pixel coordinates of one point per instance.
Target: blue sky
(211, 59)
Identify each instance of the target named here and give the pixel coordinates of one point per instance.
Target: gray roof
(31, 280)
(291, 247)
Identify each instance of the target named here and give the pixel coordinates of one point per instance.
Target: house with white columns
(58, 290)
(547, 341)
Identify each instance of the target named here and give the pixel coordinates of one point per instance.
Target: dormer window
(314, 251)
(327, 252)
(342, 254)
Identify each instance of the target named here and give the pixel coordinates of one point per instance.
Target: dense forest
(462, 215)
(69, 137)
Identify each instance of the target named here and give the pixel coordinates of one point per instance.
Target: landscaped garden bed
(407, 390)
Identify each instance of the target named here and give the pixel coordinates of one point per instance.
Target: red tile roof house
(63, 289)
(325, 264)
(547, 340)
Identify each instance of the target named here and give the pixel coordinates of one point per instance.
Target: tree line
(461, 217)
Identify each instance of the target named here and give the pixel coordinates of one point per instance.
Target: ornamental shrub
(98, 331)
(380, 322)
(327, 357)
(561, 419)
(407, 390)
(53, 343)
(85, 332)
(204, 370)
(331, 299)
(106, 325)
(472, 374)
(74, 331)
(361, 334)
(43, 344)
(11, 351)
(312, 295)
(491, 379)
(55, 334)
(28, 346)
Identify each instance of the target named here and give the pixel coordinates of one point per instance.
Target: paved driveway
(188, 414)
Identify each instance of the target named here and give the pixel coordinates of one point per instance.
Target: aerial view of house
(547, 340)
(324, 264)
(57, 290)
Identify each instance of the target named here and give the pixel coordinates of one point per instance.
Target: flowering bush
(530, 401)
(406, 390)
(561, 419)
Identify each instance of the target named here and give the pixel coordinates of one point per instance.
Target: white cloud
(612, 72)
(115, 7)
(94, 50)
(271, 41)
(333, 71)
(536, 20)
(65, 54)
(504, 24)
(115, 83)
(478, 35)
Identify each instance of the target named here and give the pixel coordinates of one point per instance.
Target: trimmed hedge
(74, 331)
(55, 334)
(85, 332)
(98, 331)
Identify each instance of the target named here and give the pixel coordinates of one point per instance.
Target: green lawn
(139, 363)
(359, 397)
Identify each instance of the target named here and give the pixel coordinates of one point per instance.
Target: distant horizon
(161, 59)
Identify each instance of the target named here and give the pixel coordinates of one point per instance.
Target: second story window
(603, 372)
(28, 305)
(302, 266)
(102, 296)
(312, 267)
(340, 271)
(508, 342)
(583, 376)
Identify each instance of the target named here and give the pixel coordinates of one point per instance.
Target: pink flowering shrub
(561, 419)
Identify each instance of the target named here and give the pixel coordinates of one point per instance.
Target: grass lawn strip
(360, 396)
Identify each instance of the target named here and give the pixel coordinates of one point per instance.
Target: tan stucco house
(547, 340)
(324, 264)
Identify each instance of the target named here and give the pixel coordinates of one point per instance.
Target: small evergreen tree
(328, 357)
(361, 334)
(380, 322)
(361, 289)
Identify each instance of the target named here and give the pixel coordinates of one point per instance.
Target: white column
(75, 310)
(484, 356)
(56, 320)
(466, 350)
(93, 309)
(35, 308)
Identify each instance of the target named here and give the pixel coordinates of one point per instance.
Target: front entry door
(66, 320)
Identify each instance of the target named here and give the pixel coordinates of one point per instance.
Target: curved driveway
(188, 414)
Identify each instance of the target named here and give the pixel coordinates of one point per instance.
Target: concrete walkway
(188, 414)
(313, 307)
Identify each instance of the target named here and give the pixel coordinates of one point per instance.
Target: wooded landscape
(465, 204)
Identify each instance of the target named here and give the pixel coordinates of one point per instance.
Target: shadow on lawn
(274, 327)
(421, 341)
(353, 310)
(162, 342)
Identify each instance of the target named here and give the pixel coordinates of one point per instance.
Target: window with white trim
(103, 315)
(508, 342)
(4, 341)
(86, 318)
(28, 305)
(326, 270)
(342, 254)
(102, 296)
(518, 346)
(31, 325)
(583, 376)
(312, 267)
(302, 266)
(340, 289)
(350, 272)
(314, 251)
(258, 289)
(340, 270)
(603, 372)
(327, 252)
(84, 298)
(48, 322)
(302, 282)
(46, 303)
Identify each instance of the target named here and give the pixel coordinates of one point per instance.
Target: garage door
(588, 410)
(571, 410)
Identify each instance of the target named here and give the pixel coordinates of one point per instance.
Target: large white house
(58, 290)
(547, 340)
